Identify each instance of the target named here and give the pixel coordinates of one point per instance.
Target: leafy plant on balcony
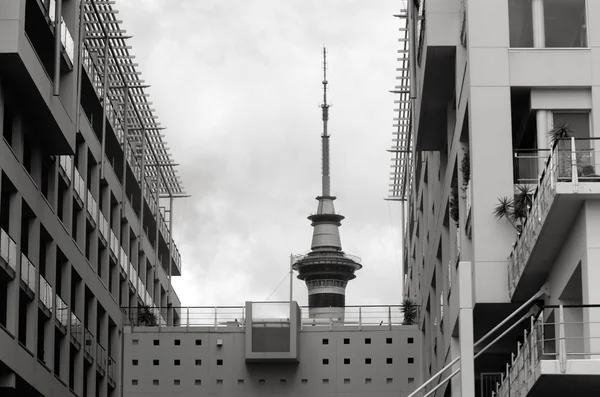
(561, 130)
(410, 311)
(146, 317)
(465, 168)
(454, 214)
(516, 209)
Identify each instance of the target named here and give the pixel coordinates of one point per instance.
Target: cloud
(237, 84)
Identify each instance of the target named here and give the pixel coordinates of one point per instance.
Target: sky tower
(326, 269)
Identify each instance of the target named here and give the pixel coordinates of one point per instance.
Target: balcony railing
(92, 207)
(76, 328)
(79, 185)
(66, 164)
(61, 312)
(8, 250)
(112, 369)
(46, 293)
(568, 336)
(133, 277)
(123, 260)
(65, 36)
(103, 226)
(101, 357)
(88, 345)
(571, 162)
(28, 272)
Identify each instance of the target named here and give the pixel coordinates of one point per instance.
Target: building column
(92, 316)
(543, 143)
(33, 254)
(539, 38)
(50, 326)
(78, 305)
(466, 338)
(590, 274)
(13, 293)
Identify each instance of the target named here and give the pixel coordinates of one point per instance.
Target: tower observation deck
(326, 269)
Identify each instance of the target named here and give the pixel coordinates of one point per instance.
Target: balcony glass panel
(8, 250)
(45, 293)
(28, 272)
(520, 23)
(62, 312)
(89, 342)
(564, 22)
(76, 328)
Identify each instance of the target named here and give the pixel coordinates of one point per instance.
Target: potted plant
(515, 209)
(146, 317)
(410, 311)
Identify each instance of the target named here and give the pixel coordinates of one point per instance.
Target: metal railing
(528, 164)
(560, 333)
(235, 316)
(65, 36)
(46, 293)
(88, 345)
(28, 272)
(8, 250)
(133, 277)
(571, 162)
(112, 368)
(103, 226)
(76, 328)
(79, 185)
(61, 312)
(101, 357)
(66, 164)
(468, 200)
(357, 259)
(92, 207)
(123, 259)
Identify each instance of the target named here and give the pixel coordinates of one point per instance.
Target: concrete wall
(233, 377)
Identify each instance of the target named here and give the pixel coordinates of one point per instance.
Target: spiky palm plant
(410, 311)
(146, 317)
(515, 210)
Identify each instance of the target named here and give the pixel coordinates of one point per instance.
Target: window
(197, 382)
(282, 381)
(346, 341)
(346, 381)
(325, 381)
(346, 361)
(367, 341)
(367, 380)
(304, 381)
(156, 342)
(135, 341)
(219, 381)
(155, 382)
(155, 362)
(325, 361)
(219, 362)
(261, 381)
(177, 342)
(389, 380)
(177, 362)
(411, 380)
(325, 341)
(410, 340)
(367, 361)
(134, 382)
(389, 360)
(198, 342)
(240, 381)
(411, 360)
(134, 362)
(388, 341)
(198, 362)
(176, 382)
(563, 21)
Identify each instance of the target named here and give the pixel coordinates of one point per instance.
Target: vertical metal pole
(412, 59)
(562, 344)
(291, 277)
(80, 63)
(104, 104)
(57, 46)
(360, 318)
(390, 316)
(574, 175)
(169, 314)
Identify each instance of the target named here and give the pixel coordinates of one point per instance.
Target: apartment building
(87, 186)
(276, 348)
(494, 161)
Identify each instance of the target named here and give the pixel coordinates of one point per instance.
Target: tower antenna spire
(325, 137)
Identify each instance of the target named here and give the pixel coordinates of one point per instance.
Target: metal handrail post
(574, 176)
(562, 344)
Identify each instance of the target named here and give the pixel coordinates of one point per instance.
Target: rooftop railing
(568, 334)
(571, 162)
(235, 316)
(8, 250)
(357, 259)
(28, 272)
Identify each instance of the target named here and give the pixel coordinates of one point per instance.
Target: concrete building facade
(83, 174)
(368, 354)
(499, 103)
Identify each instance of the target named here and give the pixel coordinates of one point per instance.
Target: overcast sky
(237, 83)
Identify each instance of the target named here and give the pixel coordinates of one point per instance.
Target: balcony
(88, 345)
(112, 370)
(92, 208)
(76, 330)
(46, 294)
(28, 273)
(66, 166)
(8, 253)
(568, 179)
(559, 355)
(79, 187)
(101, 358)
(61, 313)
